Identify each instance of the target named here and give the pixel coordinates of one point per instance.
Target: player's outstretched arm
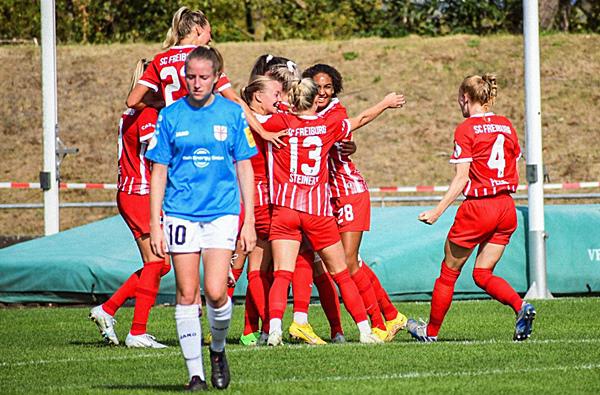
(246, 180)
(136, 97)
(392, 100)
(158, 181)
(454, 190)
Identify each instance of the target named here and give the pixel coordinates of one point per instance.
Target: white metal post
(535, 174)
(50, 115)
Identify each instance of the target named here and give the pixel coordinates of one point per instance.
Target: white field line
(159, 354)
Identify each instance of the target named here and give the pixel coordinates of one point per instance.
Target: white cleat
(105, 323)
(275, 339)
(370, 338)
(142, 341)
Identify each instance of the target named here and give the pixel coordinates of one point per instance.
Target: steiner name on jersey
(308, 131)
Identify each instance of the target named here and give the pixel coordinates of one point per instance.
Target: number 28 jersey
(491, 144)
(298, 173)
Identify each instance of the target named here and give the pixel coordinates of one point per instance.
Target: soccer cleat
(142, 341)
(305, 333)
(338, 338)
(262, 340)
(196, 384)
(105, 323)
(524, 323)
(418, 330)
(219, 376)
(381, 334)
(370, 338)
(396, 325)
(206, 338)
(275, 338)
(250, 339)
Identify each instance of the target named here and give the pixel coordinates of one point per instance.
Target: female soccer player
(352, 205)
(195, 181)
(486, 151)
(133, 200)
(299, 192)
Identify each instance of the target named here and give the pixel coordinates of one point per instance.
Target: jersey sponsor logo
(183, 133)
(202, 158)
(148, 125)
(220, 132)
(249, 137)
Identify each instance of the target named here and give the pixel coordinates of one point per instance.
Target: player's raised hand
(394, 100)
(429, 217)
(275, 138)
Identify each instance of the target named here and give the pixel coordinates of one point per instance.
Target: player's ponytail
(480, 89)
(182, 24)
(288, 74)
(140, 67)
(302, 94)
(207, 53)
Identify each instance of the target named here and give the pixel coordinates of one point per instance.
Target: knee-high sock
(443, 290)
(350, 296)
(385, 304)
(302, 285)
(125, 291)
(219, 319)
(278, 297)
(189, 332)
(330, 302)
(258, 294)
(236, 274)
(145, 295)
(497, 288)
(250, 315)
(367, 294)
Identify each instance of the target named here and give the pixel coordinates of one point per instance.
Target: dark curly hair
(335, 75)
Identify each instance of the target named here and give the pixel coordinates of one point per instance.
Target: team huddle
(265, 180)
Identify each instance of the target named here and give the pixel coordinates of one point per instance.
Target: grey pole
(535, 175)
(48, 178)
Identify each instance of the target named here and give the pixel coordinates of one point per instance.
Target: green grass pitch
(45, 350)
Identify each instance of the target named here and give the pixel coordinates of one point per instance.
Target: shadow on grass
(144, 387)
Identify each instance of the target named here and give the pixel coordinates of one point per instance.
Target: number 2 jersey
(298, 172)
(167, 73)
(491, 144)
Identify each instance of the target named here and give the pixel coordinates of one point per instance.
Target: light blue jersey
(200, 146)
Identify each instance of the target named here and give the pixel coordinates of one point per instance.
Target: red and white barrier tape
(418, 188)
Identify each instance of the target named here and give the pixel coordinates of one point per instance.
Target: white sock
(189, 332)
(301, 318)
(219, 319)
(274, 325)
(364, 327)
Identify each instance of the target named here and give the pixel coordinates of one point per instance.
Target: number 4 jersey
(298, 174)
(491, 144)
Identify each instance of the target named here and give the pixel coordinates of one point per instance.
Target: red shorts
(289, 224)
(135, 210)
(479, 220)
(353, 212)
(262, 219)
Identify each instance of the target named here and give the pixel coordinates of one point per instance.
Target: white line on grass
(133, 356)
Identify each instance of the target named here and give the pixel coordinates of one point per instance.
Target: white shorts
(188, 236)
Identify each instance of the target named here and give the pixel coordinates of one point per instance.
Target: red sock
(350, 296)
(443, 290)
(166, 267)
(258, 296)
(250, 315)
(236, 274)
(367, 294)
(279, 293)
(302, 281)
(385, 304)
(125, 291)
(497, 288)
(145, 295)
(330, 302)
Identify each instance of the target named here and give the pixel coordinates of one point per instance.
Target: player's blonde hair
(302, 94)
(182, 24)
(481, 89)
(208, 53)
(287, 74)
(258, 84)
(140, 67)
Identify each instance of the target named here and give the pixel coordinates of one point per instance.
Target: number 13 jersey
(298, 173)
(491, 144)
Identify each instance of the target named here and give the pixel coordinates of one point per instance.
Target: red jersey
(259, 165)
(491, 144)
(298, 174)
(167, 73)
(135, 130)
(344, 177)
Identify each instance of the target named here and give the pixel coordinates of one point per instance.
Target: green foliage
(90, 21)
(350, 55)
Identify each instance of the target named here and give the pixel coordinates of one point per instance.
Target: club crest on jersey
(457, 150)
(220, 132)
